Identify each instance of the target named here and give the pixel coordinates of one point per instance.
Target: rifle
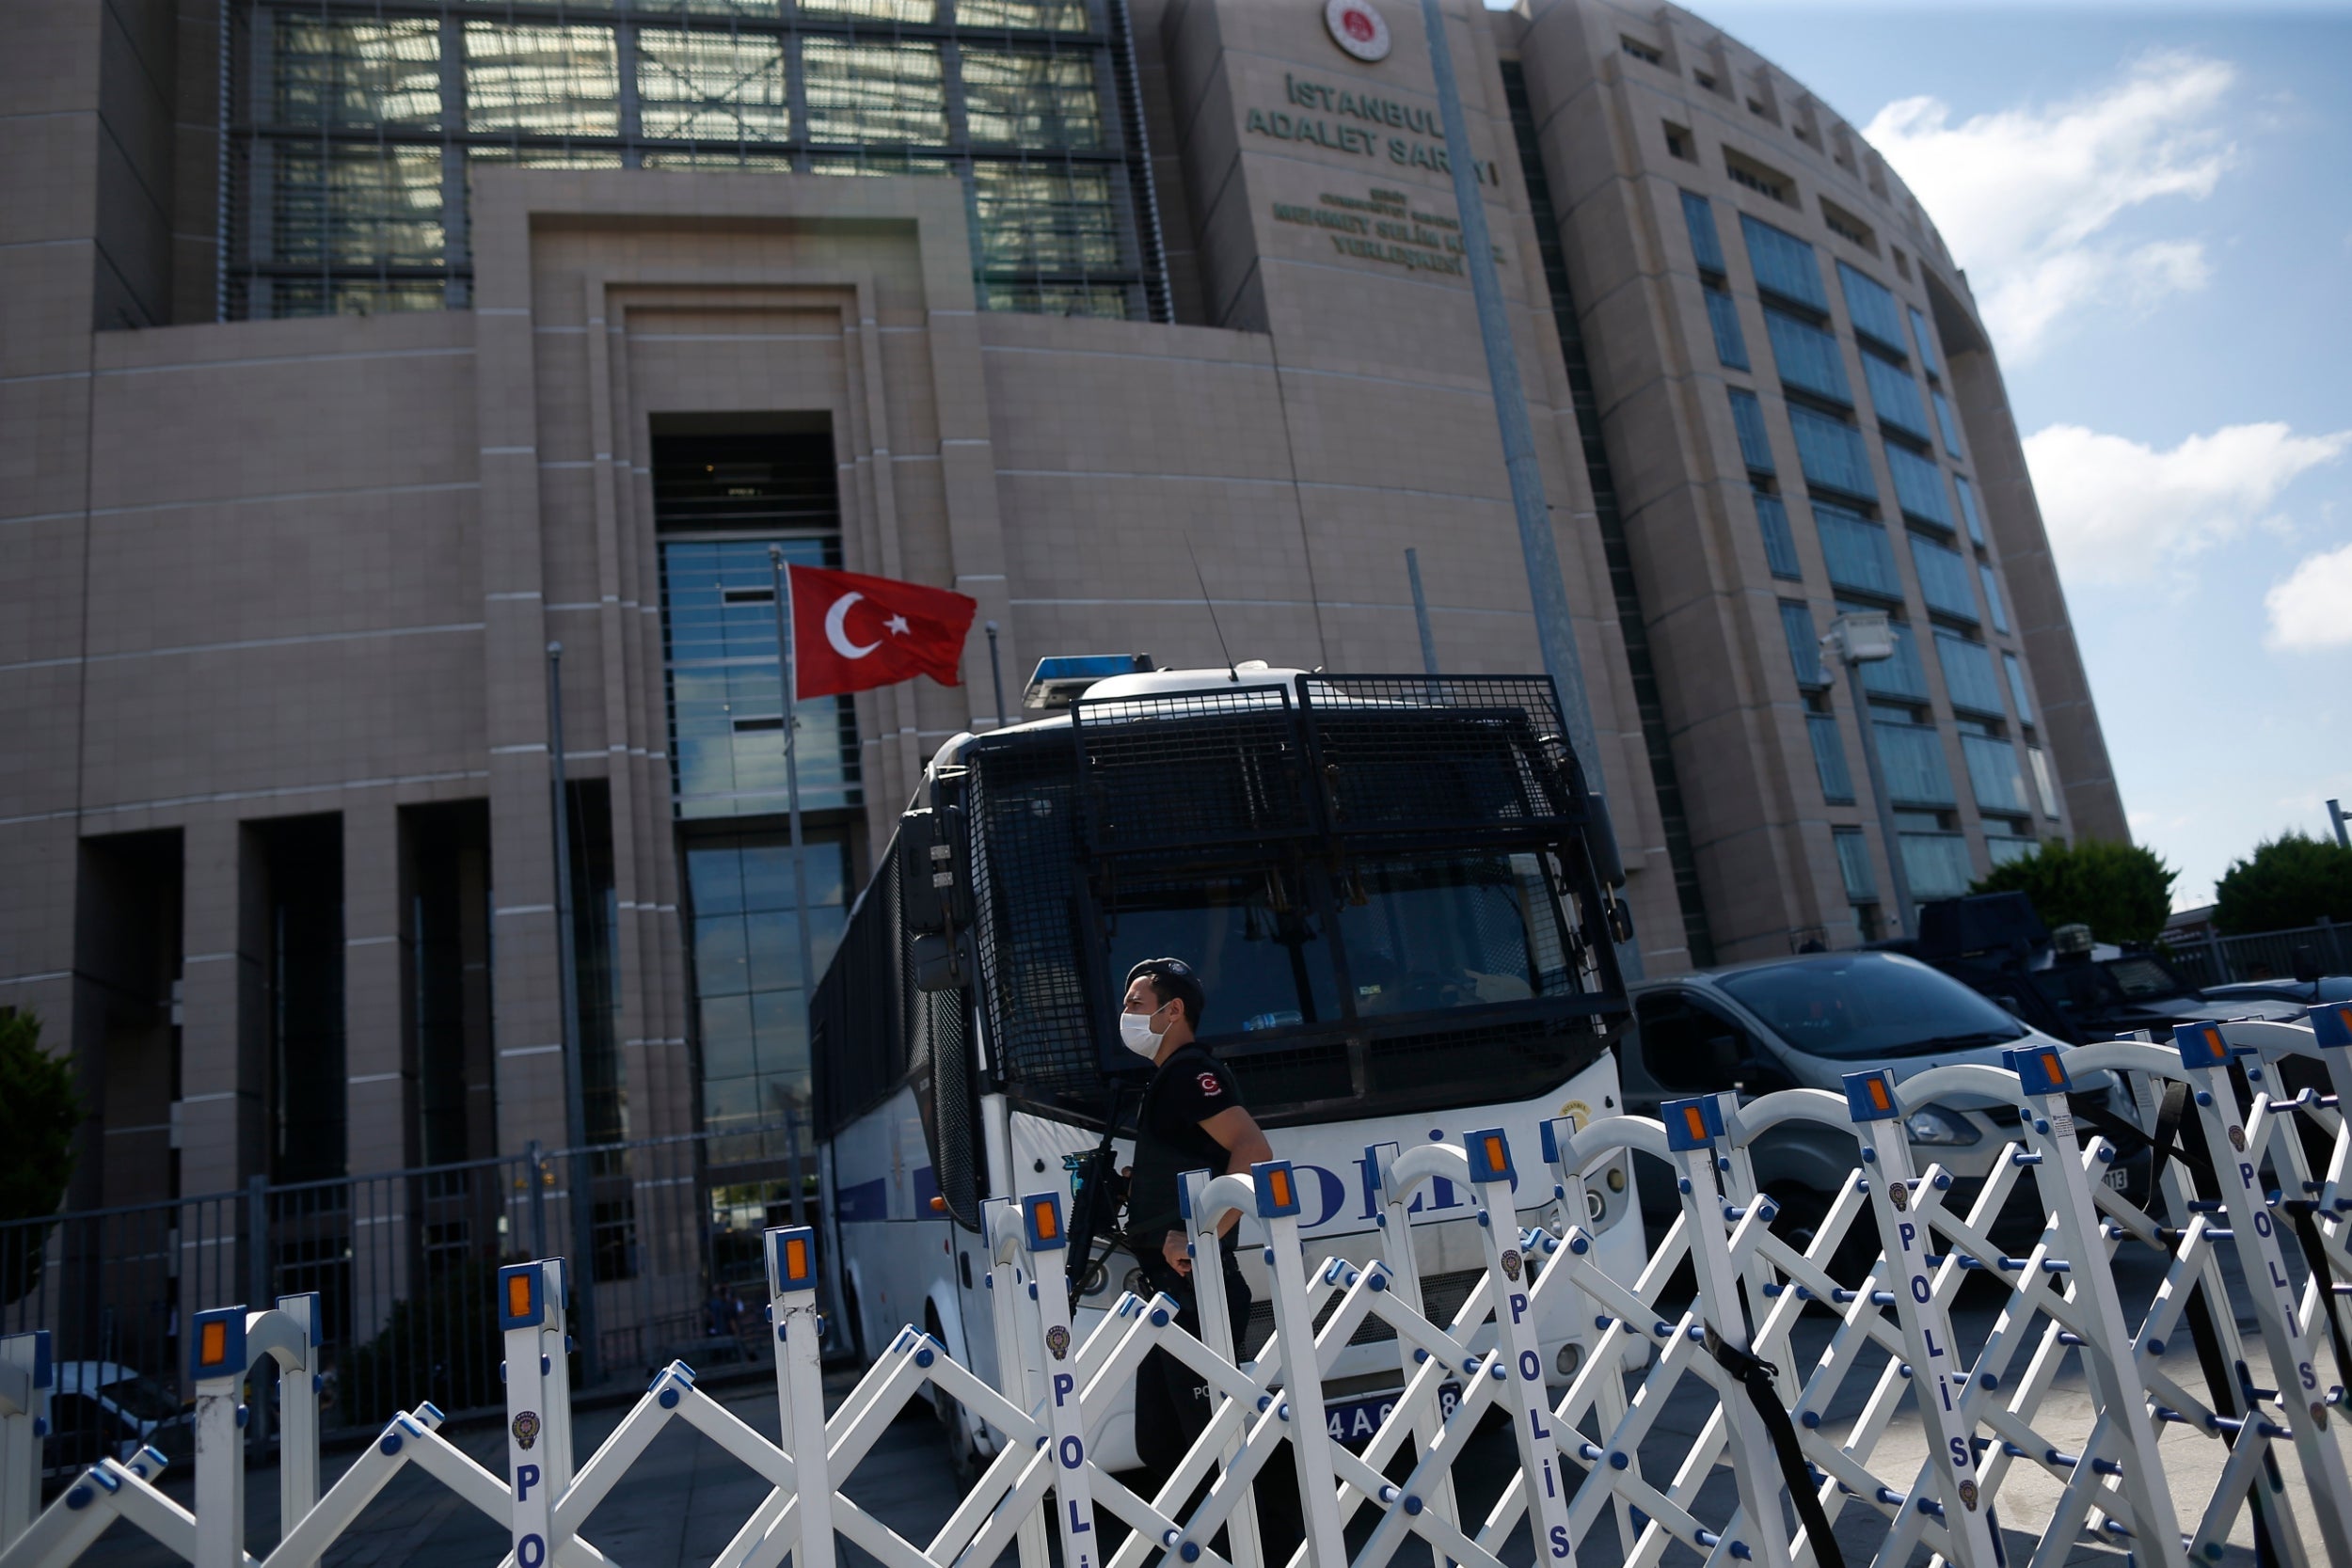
(1096, 1192)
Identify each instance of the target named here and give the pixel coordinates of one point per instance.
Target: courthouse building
(356, 351)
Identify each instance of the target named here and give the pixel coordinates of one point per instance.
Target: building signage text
(1331, 128)
(1381, 226)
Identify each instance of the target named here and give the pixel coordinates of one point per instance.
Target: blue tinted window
(1783, 264)
(1780, 543)
(1993, 597)
(1872, 307)
(1731, 346)
(1993, 775)
(1925, 335)
(1706, 247)
(1945, 422)
(1937, 865)
(726, 703)
(1943, 578)
(1755, 448)
(1853, 865)
(1856, 551)
(1901, 675)
(1968, 673)
(1829, 756)
(1913, 756)
(1809, 358)
(1804, 646)
(1830, 453)
(1968, 507)
(2017, 686)
(1918, 485)
(1894, 396)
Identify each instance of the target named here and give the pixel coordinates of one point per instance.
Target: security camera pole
(1855, 640)
(1555, 631)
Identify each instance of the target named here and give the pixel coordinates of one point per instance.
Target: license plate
(1354, 1421)
(2116, 1178)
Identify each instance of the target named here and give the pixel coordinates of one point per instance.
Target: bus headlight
(1939, 1124)
(1571, 1357)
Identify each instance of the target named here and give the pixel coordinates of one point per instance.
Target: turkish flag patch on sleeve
(850, 632)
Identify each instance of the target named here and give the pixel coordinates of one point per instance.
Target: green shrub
(38, 1111)
(2288, 881)
(2121, 890)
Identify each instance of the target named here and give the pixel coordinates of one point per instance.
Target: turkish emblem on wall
(1357, 29)
(850, 632)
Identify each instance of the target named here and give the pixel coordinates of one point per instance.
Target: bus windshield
(1418, 935)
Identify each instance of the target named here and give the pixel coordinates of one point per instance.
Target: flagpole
(799, 850)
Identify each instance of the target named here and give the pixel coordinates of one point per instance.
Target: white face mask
(1136, 1035)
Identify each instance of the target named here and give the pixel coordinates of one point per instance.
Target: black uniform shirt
(1188, 1089)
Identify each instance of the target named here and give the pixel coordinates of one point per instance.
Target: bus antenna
(1233, 671)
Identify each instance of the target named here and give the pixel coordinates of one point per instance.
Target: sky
(2154, 207)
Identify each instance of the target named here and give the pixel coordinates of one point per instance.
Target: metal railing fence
(404, 1262)
(2214, 959)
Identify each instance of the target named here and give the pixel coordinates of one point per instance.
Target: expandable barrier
(1927, 1430)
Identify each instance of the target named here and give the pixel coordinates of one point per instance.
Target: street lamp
(1853, 639)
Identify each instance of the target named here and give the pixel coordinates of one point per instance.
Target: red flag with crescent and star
(850, 632)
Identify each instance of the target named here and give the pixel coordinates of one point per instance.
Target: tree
(38, 1111)
(2121, 890)
(2289, 880)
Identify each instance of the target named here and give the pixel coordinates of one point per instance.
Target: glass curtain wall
(355, 126)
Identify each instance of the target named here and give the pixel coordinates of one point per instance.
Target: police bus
(1397, 892)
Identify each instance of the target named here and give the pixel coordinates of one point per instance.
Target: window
(1968, 676)
(1723, 314)
(1783, 264)
(1992, 597)
(2017, 686)
(711, 86)
(1846, 226)
(1937, 866)
(1895, 397)
(1830, 453)
(1809, 358)
(1919, 483)
(1925, 338)
(1943, 578)
(1758, 177)
(1902, 267)
(1871, 305)
(1945, 421)
(1433, 931)
(1679, 145)
(860, 91)
(1901, 675)
(1862, 1006)
(2006, 840)
(362, 71)
(542, 81)
(1829, 759)
(1968, 505)
(1804, 644)
(1755, 447)
(1913, 758)
(2040, 761)
(1853, 865)
(1856, 551)
(1686, 1046)
(1707, 245)
(1993, 775)
(1025, 99)
(1646, 54)
(1780, 543)
(1703, 80)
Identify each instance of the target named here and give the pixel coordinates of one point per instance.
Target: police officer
(1192, 1119)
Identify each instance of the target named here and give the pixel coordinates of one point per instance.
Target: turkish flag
(850, 632)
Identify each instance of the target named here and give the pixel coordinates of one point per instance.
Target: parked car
(1804, 1022)
(107, 1410)
(2299, 994)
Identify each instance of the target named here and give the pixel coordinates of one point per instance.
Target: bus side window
(1686, 1046)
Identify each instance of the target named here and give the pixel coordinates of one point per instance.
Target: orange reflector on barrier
(1497, 1156)
(1879, 1099)
(1280, 1182)
(214, 1348)
(796, 1259)
(1048, 1222)
(518, 1295)
(1696, 1122)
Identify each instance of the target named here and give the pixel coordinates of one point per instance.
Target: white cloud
(2312, 609)
(2026, 195)
(2118, 511)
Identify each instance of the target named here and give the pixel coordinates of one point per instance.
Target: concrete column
(221, 1113)
(381, 1076)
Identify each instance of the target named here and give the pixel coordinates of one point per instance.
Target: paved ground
(682, 1502)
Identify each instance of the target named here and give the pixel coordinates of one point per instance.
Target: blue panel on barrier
(2039, 1071)
(1490, 1154)
(1870, 1096)
(2333, 1025)
(522, 1296)
(1691, 1123)
(216, 1348)
(305, 1312)
(1277, 1188)
(1040, 1213)
(2200, 1045)
(791, 1260)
